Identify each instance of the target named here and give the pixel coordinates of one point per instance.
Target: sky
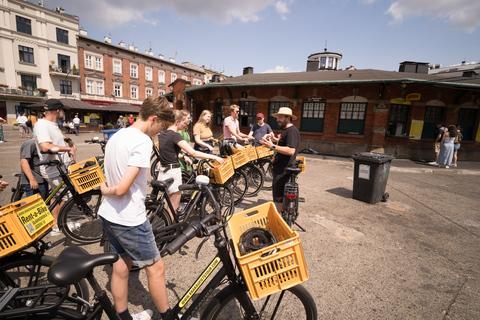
(279, 35)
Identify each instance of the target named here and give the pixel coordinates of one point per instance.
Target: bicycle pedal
(301, 199)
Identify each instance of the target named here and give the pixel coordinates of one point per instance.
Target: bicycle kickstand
(303, 229)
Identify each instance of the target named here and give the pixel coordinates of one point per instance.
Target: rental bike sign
(35, 217)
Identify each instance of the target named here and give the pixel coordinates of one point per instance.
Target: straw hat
(284, 111)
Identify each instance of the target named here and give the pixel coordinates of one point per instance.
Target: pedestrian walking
(22, 125)
(76, 124)
(437, 139)
(456, 145)
(446, 151)
(2, 138)
(32, 119)
(120, 122)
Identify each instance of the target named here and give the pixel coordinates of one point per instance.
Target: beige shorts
(176, 174)
(437, 146)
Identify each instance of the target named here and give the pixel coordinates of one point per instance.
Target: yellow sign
(413, 97)
(478, 101)
(416, 129)
(94, 116)
(199, 282)
(477, 138)
(400, 101)
(35, 217)
(86, 119)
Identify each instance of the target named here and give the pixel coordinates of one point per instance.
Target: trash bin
(370, 176)
(107, 134)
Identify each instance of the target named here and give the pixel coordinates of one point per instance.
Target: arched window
(248, 111)
(352, 115)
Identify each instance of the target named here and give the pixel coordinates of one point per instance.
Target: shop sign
(413, 97)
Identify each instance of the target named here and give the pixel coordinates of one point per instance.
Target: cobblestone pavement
(413, 257)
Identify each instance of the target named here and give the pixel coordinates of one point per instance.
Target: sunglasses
(237, 111)
(259, 118)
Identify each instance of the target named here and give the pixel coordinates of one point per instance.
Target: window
(90, 86)
(64, 63)
(218, 105)
(323, 62)
(398, 119)
(99, 63)
(352, 118)
(62, 36)
(117, 67)
(134, 92)
(273, 107)
(174, 77)
(248, 113)
(330, 63)
(65, 87)
(24, 25)
(148, 92)
(467, 118)
(88, 61)
(25, 54)
(99, 87)
(30, 82)
(133, 71)
(161, 92)
(117, 89)
(433, 115)
(148, 74)
(161, 76)
(313, 115)
(197, 82)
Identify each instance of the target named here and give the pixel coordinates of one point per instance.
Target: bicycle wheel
(18, 272)
(266, 165)
(17, 194)
(238, 183)
(224, 197)
(161, 218)
(256, 179)
(153, 168)
(294, 303)
(82, 224)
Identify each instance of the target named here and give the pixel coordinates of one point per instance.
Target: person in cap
(286, 148)
(259, 129)
(231, 126)
(47, 136)
(437, 139)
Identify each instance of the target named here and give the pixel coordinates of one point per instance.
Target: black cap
(55, 104)
(440, 123)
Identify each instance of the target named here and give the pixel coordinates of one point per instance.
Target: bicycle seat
(292, 170)
(18, 174)
(73, 264)
(162, 185)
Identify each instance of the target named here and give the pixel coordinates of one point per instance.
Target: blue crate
(107, 134)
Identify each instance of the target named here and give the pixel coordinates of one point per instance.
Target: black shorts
(278, 186)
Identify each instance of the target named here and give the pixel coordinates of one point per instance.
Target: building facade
(349, 111)
(38, 56)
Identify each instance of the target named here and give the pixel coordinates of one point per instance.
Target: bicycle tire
(297, 303)
(224, 197)
(18, 194)
(154, 165)
(256, 179)
(86, 228)
(266, 164)
(15, 272)
(238, 183)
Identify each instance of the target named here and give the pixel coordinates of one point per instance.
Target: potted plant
(42, 92)
(22, 87)
(3, 85)
(74, 69)
(109, 125)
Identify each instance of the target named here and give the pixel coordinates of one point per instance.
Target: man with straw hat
(286, 148)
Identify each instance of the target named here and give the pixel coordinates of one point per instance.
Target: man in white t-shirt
(22, 124)
(231, 127)
(47, 136)
(123, 212)
(76, 124)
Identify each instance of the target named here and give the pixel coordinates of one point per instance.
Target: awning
(81, 105)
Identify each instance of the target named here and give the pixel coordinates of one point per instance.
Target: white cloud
(278, 69)
(460, 14)
(113, 13)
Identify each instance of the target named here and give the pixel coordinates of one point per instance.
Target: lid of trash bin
(373, 157)
(109, 130)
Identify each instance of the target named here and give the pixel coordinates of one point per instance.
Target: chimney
(60, 10)
(135, 49)
(150, 53)
(160, 56)
(216, 78)
(146, 51)
(130, 47)
(121, 44)
(313, 65)
(82, 32)
(40, 3)
(248, 70)
(172, 60)
(107, 39)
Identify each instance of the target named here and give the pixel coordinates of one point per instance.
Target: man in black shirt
(286, 148)
(437, 139)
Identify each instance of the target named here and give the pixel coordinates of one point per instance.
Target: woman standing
(446, 151)
(169, 144)
(456, 145)
(184, 133)
(202, 132)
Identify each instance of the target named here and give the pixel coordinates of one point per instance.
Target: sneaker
(191, 318)
(454, 165)
(433, 163)
(55, 232)
(1, 141)
(447, 167)
(144, 315)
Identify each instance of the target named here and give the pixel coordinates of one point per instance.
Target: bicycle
(77, 218)
(232, 302)
(17, 191)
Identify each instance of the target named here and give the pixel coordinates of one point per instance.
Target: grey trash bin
(370, 176)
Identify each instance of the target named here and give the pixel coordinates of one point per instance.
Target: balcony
(63, 71)
(15, 93)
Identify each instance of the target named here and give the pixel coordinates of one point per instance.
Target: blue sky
(279, 35)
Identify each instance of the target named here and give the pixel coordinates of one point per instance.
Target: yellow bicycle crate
(88, 178)
(273, 268)
(222, 172)
(239, 158)
(303, 165)
(263, 152)
(251, 153)
(22, 222)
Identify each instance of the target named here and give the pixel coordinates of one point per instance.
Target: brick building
(348, 111)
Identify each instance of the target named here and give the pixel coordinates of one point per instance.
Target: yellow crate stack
(221, 172)
(263, 152)
(87, 178)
